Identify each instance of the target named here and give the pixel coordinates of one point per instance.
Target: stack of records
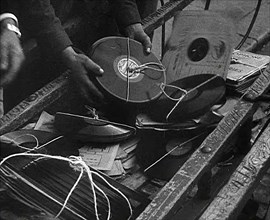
(45, 185)
(244, 70)
(45, 180)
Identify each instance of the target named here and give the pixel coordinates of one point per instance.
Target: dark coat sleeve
(126, 12)
(41, 22)
(10, 6)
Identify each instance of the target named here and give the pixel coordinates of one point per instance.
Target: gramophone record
(86, 129)
(178, 147)
(156, 155)
(124, 76)
(203, 92)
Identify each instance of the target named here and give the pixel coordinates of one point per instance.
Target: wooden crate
(235, 188)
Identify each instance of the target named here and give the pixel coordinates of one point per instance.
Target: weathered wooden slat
(35, 103)
(231, 199)
(195, 206)
(163, 14)
(51, 92)
(169, 199)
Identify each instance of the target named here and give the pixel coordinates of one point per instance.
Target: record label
(121, 65)
(204, 91)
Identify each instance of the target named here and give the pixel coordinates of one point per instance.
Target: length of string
(165, 155)
(193, 89)
(127, 70)
(139, 69)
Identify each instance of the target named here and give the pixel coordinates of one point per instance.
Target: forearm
(40, 20)
(126, 12)
(11, 55)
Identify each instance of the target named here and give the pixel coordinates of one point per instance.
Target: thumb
(146, 42)
(90, 65)
(147, 45)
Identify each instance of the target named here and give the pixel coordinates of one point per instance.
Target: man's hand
(136, 32)
(11, 56)
(81, 66)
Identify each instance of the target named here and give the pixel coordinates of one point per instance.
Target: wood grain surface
(34, 104)
(231, 199)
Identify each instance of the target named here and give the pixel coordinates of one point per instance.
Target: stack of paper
(112, 159)
(244, 69)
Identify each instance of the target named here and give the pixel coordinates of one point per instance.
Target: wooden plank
(194, 207)
(169, 199)
(35, 103)
(231, 199)
(163, 14)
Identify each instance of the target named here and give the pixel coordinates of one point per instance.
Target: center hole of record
(120, 65)
(177, 94)
(198, 49)
(127, 67)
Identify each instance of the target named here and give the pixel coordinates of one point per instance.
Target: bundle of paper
(112, 159)
(244, 69)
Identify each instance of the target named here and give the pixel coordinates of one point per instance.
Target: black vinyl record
(162, 154)
(85, 129)
(204, 91)
(112, 53)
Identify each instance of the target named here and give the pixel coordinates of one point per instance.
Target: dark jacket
(40, 19)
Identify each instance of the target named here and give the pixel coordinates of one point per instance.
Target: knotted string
(185, 93)
(14, 141)
(76, 161)
(142, 67)
(139, 69)
(127, 70)
(162, 87)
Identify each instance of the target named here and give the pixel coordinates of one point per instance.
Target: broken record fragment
(86, 129)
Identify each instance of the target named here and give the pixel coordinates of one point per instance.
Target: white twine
(248, 64)
(139, 69)
(77, 161)
(127, 70)
(185, 93)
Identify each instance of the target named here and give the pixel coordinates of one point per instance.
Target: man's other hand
(136, 32)
(11, 56)
(81, 66)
